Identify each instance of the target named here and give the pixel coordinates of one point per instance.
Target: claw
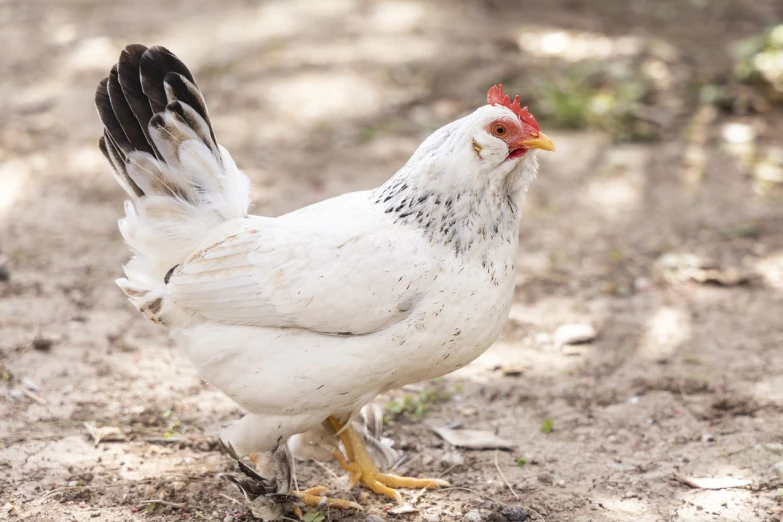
(228, 449)
(268, 496)
(314, 497)
(362, 468)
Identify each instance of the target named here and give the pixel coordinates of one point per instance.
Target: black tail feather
(125, 116)
(130, 82)
(156, 63)
(130, 101)
(109, 118)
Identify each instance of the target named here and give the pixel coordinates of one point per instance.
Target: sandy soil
(683, 378)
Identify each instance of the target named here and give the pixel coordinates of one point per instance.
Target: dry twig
(503, 477)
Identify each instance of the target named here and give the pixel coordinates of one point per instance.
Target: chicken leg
(358, 462)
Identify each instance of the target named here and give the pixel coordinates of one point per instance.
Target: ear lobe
(477, 148)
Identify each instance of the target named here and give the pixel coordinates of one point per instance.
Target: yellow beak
(542, 142)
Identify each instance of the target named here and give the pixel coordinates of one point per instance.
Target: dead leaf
(473, 439)
(713, 482)
(679, 268)
(107, 433)
(402, 510)
(514, 370)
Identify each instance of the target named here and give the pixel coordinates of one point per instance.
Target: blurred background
(644, 346)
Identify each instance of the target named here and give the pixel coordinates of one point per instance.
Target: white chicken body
(312, 314)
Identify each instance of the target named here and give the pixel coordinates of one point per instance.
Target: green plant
(591, 96)
(416, 405)
(760, 61)
(312, 515)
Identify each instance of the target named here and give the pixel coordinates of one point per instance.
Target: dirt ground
(684, 377)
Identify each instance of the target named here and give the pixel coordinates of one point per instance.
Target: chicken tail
(180, 182)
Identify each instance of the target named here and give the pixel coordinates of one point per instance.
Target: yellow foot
(314, 497)
(362, 468)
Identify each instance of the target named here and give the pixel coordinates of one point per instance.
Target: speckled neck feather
(458, 219)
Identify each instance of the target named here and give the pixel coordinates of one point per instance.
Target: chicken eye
(499, 130)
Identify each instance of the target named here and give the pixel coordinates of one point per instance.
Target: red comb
(495, 96)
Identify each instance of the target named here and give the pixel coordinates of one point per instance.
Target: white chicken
(305, 318)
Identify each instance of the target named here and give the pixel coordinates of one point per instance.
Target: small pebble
(42, 344)
(452, 458)
(430, 517)
(574, 334)
(641, 284)
(546, 478)
(373, 518)
(30, 385)
(228, 518)
(774, 447)
(777, 469)
(514, 514)
(708, 437)
(473, 516)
